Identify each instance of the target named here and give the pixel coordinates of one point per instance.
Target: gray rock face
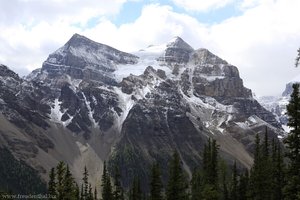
(175, 110)
(20, 100)
(82, 58)
(288, 90)
(156, 125)
(20, 105)
(214, 77)
(5, 72)
(177, 51)
(91, 107)
(277, 105)
(183, 97)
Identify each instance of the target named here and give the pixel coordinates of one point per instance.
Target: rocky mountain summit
(277, 104)
(84, 59)
(91, 103)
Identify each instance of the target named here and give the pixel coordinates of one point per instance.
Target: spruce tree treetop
(293, 139)
(292, 189)
(69, 185)
(210, 171)
(60, 174)
(298, 58)
(177, 184)
(85, 182)
(118, 190)
(234, 183)
(106, 184)
(52, 183)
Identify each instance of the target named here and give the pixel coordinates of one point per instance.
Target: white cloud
(31, 29)
(202, 5)
(249, 3)
(263, 43)
(156, 24)
(31, 12)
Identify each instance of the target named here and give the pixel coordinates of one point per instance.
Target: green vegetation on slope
(17, 177)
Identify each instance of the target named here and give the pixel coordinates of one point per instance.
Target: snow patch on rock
(56, 114)
(147, 57)
(125, 103)
(90, 112)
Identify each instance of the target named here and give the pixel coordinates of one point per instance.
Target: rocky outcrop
(277, 105)
(5, 72)
(82, 58)
(214, 77)
(165, 116)
(22, 110)
(177, 51)
(288, 89)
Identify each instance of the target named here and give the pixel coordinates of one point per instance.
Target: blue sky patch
(132, 10)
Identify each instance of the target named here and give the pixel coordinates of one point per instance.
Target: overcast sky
(260, 37)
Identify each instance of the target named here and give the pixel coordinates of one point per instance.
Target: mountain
(277, 104)
(91, 103)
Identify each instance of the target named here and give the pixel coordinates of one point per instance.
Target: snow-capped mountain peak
(82, 58)
(178, 42)
(157, 56)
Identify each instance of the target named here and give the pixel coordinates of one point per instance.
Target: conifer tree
(255, 179)
(210, 163)
(106, 184)
(156, 183)
(96, 194)
(77, 192)
(82, 197)
(261, 171)
(243, 186)
(224, 181)
(214, 163)
(177, 184)
(205, 181)
(85, 186)
(196, 185)
(265, 146)
(298, 58)
(90, 193)
(62, 184)
(266, 167)
(292, 188)
(69, 185)
(118, 193)
(210, 171)
(277, 172)
(52, 183)
(234, 183)
(60, 175)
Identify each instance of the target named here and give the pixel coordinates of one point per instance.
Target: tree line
(270, 177)
(212, 181)
(16, 176)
